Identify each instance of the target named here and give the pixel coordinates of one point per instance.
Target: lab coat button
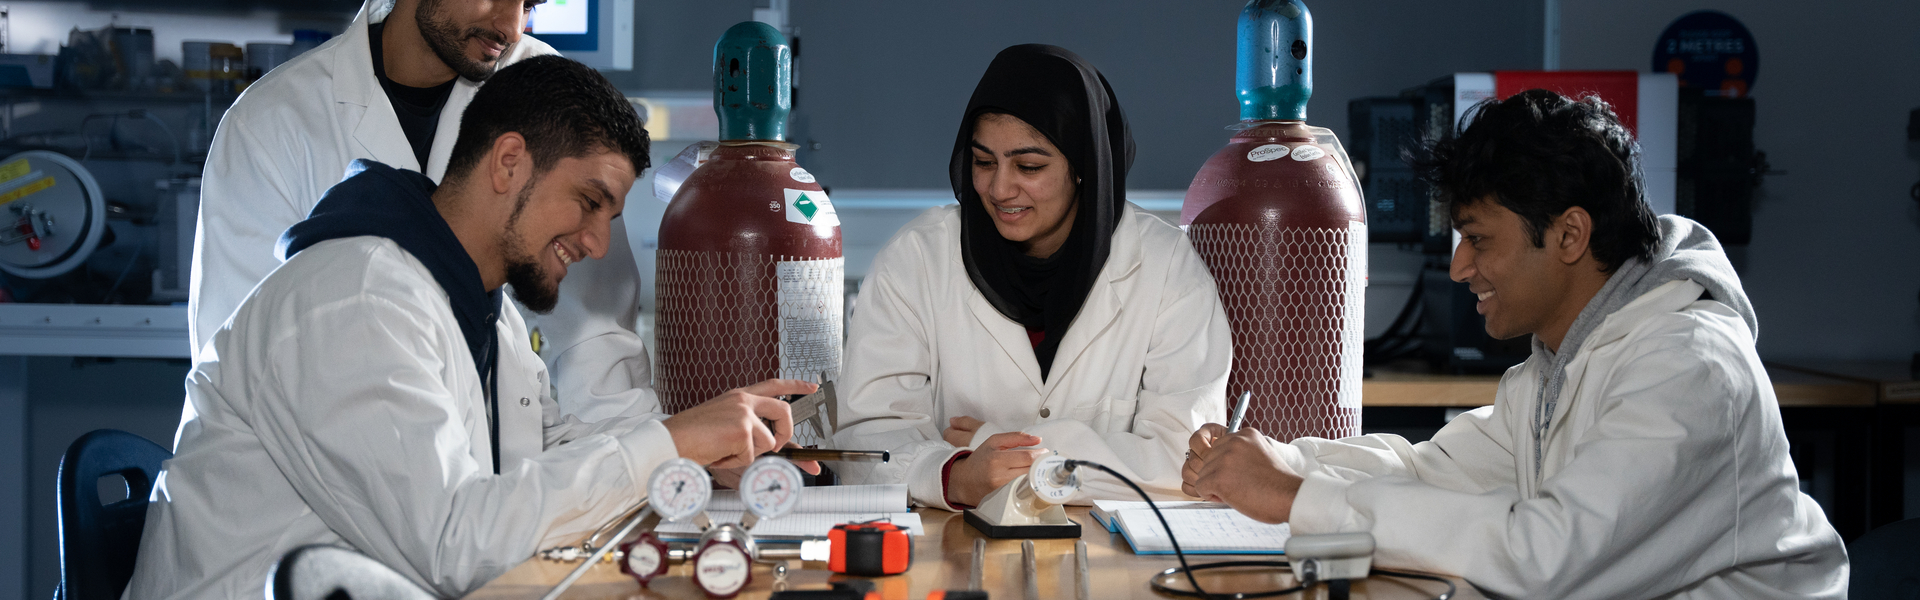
(1044, 413)
(524, 402)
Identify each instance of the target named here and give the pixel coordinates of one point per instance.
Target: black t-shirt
(417, 108)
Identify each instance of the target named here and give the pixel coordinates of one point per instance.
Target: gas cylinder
(1278, 219)
(749, 272)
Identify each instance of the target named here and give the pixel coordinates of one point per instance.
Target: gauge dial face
(722, 569)
(679, 489)
(771, 487)
(1041, 475)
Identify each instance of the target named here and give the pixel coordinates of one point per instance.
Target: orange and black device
(870, 549)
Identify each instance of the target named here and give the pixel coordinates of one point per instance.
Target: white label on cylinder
(811, 294)
(1267, 153)
(801, 175)
(1306, 153)
(1352, 362)
(808, 207)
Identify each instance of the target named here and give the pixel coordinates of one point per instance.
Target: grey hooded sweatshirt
(1645, 459)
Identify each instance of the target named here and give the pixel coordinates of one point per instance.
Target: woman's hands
(998, 460)
(960, 431)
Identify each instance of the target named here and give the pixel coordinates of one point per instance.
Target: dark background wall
(1835, 262)
(1832, 266)
(883, 83)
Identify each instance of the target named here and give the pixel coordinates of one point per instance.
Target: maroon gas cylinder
(749, 277)
(1278, 220)
(748, 274)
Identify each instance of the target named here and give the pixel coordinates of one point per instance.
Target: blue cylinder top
(1274, 73)
(752, 82)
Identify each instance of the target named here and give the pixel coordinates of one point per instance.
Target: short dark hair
(563, 108)
(1538, 154)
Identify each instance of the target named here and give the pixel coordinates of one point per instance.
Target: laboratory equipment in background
(1913, 152)
(1697, 158)
(113, 142)
(54, 214)
(1277, 217)
(307, 39)
(1030, 505)
(749, 273)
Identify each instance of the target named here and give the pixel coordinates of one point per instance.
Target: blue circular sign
(1711, 51)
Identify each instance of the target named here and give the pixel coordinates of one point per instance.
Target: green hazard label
(808, 207)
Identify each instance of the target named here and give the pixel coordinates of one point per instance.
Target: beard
(449, 43)
(532, 287)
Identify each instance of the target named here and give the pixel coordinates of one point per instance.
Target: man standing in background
(392, 89)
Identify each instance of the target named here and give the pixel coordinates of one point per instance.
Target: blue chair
(322, 572)
(98, 542)
(1886, 563)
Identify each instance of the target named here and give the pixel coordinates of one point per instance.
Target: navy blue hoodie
(396, 204)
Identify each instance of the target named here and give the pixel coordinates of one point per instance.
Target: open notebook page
(1216, 531)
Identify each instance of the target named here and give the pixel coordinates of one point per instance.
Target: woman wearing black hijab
(1042, 313)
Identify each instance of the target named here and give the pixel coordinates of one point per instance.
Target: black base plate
(1037, 532)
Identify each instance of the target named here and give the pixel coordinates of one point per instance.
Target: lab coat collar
(1102, 307)
(355, 85)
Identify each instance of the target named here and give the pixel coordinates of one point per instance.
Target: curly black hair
(563, 108)
(1538, 153)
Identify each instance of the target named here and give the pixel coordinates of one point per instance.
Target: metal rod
(598, 553)
(1084, 591)
(1032, 567)
(976, 581)
(1550, 40)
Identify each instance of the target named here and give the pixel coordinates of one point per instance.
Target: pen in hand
(1239, 412)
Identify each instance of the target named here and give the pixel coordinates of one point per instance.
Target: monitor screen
(561, 17)
(596, 32)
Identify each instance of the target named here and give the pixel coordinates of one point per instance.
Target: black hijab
(1067, 100)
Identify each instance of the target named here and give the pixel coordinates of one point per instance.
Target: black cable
(1162, 588)
(1197, 591)
(1070, 464)
(1406, 575)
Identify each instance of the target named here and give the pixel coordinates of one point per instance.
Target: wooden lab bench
(943, 559)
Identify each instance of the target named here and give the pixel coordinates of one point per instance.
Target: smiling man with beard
(375, 390)
(391, 88)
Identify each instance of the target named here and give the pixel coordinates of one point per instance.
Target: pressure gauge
(646, 558)
(1052, 481)
(771, 487)
(679, 489)
(724, 563)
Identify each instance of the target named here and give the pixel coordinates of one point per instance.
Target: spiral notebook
(820, 509)
(1201, 531)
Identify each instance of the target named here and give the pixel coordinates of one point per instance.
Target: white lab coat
(292, 135)
(343, 407)
(1144, 364)
(1664, 474)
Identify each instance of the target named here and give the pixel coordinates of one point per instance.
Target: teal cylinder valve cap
(1274, 73)
(753, 82)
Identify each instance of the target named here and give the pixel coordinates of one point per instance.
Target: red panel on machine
(1619, 88)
